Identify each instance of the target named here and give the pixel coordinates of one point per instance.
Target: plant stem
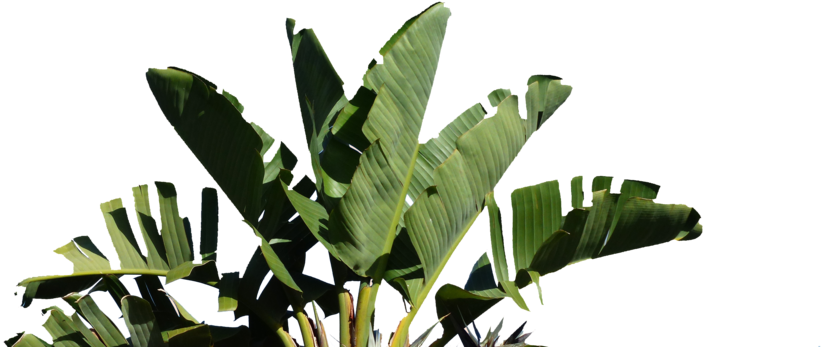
(345, 302)
(285, 338)
(305, 327)
(363, 319)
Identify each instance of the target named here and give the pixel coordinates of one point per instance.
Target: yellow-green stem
(363, 319)
(345, 301)
(284, 337)
(305, 328)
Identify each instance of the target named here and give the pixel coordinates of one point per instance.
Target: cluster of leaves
(387, 209)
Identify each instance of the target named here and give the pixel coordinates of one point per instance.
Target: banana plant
(388, 209)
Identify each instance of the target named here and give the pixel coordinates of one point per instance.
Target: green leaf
(157, 258)
(294, 241)
(194, 336)
(347, 128)
(207, 82)
(272, 303)
(557, 251)
(463, 307)
(597, 225)
(441, 216)
(421, 339)
(104, 327)
(404, 270)
(277, 208)
(250, 282)
(164, 309)
(535, 278)
(615, 223)
(89, 259)
(481, 279)
(491, 337)
(186, 224)
(629, 189)
(338, 161)
(204, 273)
(283, 159)
(199, 114)
(577, 193)
(177, 247)
(395, 38)
(644, 223)
(90, 265)
(115, 288)
(267, 140)
(230, 336)
(89, 336)
(385, 168)
(209, 227)
(537, 215)
(499, 257)
(63, 331)
(26, 340)
(229, 291)
(497, 96)
(312, 214)
(139, 317)
(234, 101)
(313, 288)
(434, 152)
(274, 263)
(365, 84)
(183, 313)
(544, 95)
(321, 97)
(116, 221)
(601, 183)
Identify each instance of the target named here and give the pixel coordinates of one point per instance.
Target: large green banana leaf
(361, 226)
(476, 166)
(320, 98)
(170, 251)
(199, 114)
(363, 222)
(253, 186)
(615, 223)
(544, 241)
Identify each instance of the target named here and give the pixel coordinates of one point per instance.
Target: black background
(633, 114)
